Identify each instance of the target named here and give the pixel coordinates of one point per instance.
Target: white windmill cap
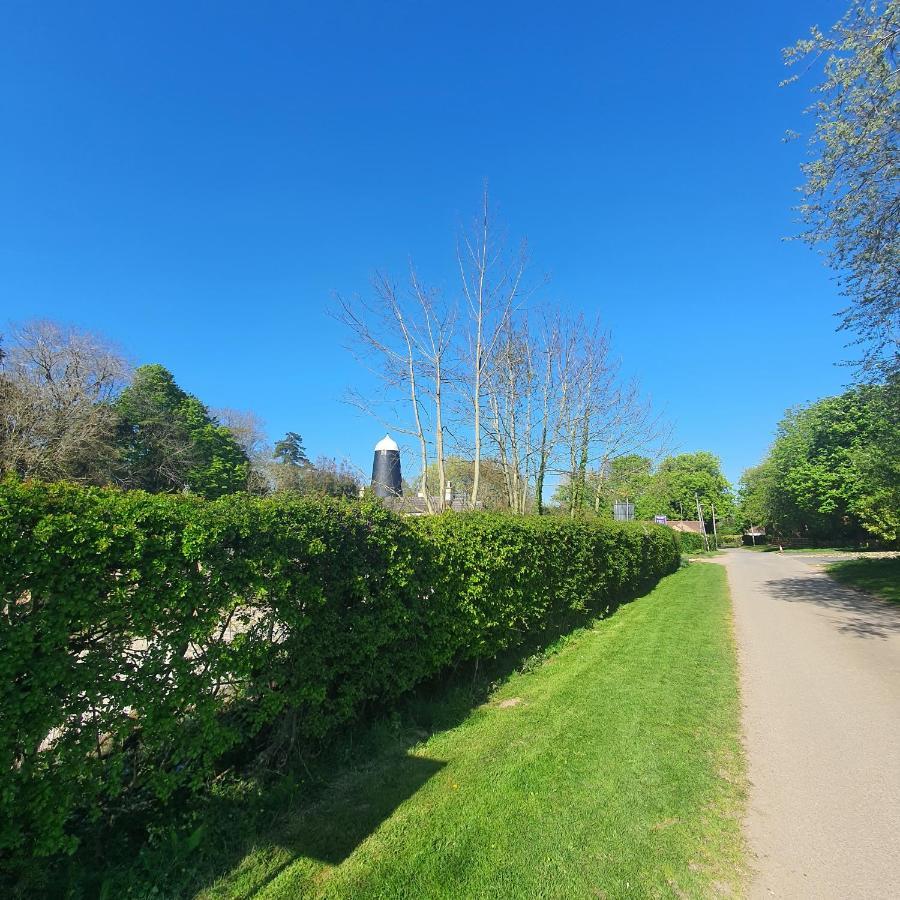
(386, 443)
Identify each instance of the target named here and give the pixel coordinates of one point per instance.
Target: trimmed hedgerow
(144, 636)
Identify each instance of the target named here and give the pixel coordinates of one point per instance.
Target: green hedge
(690, 541)
(145, 636)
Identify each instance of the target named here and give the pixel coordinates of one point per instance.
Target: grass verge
(608, 765)
(880, 577)
(613, 769)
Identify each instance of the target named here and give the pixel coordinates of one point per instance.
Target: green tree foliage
(289, 464)
(290, 471)
(290, 450)
(681, 479)
(144, 636)
(329, 478)
(628, 477)
(755, 496)
(669, 490)
(169, 441)
(833, 472)
(851, 198)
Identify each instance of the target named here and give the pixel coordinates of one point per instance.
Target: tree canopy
(682, 479)
(57, 387)
(290, 450)
(169, 441)
(833, 472)
(670, 489)
(851, 198)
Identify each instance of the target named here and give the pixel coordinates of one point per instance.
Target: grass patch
(608, 765)
(612, 769)
(880, 577)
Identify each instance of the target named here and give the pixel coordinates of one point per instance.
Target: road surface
(820, 673)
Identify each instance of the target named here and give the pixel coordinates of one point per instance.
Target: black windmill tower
(386, 478)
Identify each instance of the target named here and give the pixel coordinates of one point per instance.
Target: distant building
(686, 525)
(755, 534)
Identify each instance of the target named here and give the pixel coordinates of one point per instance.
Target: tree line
(72, 408)
(833, 472)
(672, 487)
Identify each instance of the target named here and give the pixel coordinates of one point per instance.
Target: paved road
(820, 671)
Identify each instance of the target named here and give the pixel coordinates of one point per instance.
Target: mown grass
(880, 577)
(613, 769)
(608, 765)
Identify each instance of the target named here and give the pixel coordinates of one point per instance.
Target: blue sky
(195, 180)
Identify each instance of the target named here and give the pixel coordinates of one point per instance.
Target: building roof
(685, 525)
(386, 443)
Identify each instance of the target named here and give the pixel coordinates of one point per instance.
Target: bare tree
(491, 284)
(601, 416)
(512, 388)
(548, 358)
(534, 392)
(57, 385)
(434, 332)
(408, 336)
(248, 430)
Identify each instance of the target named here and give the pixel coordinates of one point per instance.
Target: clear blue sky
(194, 180)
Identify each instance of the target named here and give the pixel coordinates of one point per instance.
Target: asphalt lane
(820, 673)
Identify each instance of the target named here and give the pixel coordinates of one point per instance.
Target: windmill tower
(386, 478)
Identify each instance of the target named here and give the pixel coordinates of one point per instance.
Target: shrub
(144, 636)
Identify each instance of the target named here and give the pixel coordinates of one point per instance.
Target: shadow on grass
(879, 577)
(853, 612)
(333, 827)
(320, 806)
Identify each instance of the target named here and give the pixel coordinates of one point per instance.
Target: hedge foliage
(144, 636)
(690, 541)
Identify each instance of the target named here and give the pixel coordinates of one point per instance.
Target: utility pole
(715, 533)
(702, 523)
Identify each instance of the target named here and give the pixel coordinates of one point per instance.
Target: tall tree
(57, 389)
(851, 198)
(537, 401)
(833, 472)
(684, 478)
(491, 285)
(408, 335)
(289, 464)
(290, 450)
(170, 442)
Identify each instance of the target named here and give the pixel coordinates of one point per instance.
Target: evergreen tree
(170, 442)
